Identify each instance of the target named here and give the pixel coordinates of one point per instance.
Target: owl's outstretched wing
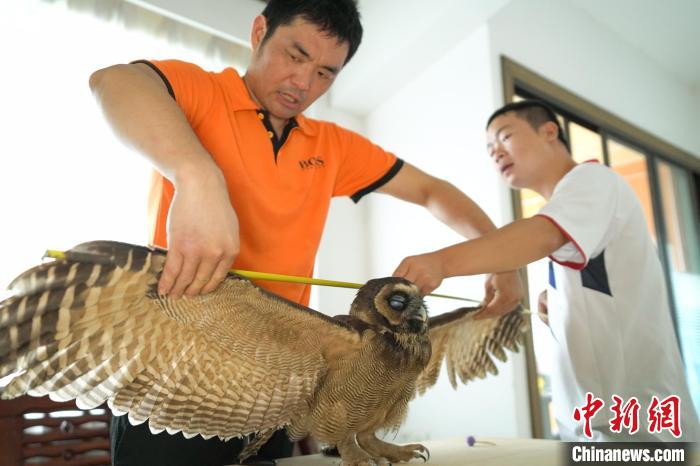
(93, 328)
(468, 345)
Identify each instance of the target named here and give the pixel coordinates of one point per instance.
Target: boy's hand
(504, 291)
(425, 270)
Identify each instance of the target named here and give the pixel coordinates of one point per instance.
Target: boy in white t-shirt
(607, 301)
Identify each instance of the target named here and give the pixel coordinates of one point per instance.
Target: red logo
(662, 415)
(625, 416)
(665, 414)
(593, 405)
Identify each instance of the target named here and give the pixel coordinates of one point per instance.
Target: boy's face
(517, 149)
(293, 67)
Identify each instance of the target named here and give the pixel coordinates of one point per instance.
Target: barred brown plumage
(239, 360)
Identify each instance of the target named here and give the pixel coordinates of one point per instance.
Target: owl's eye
(397, 302)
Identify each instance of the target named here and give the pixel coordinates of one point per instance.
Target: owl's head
(392, 302)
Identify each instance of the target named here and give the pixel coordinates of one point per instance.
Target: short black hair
(337, 18)
(535, 112)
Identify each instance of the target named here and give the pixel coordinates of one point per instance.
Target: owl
(240, 360)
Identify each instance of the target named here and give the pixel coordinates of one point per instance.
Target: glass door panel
(632, 166)
(585, 143)
(682, 249)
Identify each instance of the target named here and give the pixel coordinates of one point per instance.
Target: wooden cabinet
(38, 431)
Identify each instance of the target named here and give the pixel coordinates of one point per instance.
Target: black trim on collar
(379, 183)
(160, 73)
(277, 143)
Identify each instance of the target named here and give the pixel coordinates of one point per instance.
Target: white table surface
(456, 452)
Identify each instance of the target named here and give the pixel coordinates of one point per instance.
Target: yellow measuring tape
(276, 277)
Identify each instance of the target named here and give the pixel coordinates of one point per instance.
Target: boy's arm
(511, 247)
(456, 210)
(144, 116)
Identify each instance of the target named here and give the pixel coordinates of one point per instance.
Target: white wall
(394, 39)
(567, 46)
(436, 122)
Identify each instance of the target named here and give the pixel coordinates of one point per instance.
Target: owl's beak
(419, 314)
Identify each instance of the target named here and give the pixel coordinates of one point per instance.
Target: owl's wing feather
(92, 327)
(468, 345)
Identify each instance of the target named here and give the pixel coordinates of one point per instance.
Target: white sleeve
(583, 207)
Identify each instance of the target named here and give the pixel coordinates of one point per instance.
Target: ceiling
(396, 45)
(668, 32)
(401, 38)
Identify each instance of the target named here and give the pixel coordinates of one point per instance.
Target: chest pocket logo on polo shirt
(312, 162)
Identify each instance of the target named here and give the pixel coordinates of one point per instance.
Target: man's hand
(202, 226)
(424, 270)
(503, 293)
(203, 237)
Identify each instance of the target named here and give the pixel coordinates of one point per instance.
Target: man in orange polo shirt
(245, 180)
(281, 195)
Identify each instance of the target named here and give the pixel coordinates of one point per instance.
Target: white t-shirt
(608, 309)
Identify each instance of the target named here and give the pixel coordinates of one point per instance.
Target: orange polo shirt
(280, 187)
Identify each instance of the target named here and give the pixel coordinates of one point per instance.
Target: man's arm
(202, 225)
(513, 246)
(458, 211)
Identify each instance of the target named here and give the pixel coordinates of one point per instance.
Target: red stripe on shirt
(573, 265)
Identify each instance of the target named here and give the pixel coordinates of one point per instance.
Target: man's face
(293, 67)
(517, 149)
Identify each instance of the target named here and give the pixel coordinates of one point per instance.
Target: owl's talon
(420, 455)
